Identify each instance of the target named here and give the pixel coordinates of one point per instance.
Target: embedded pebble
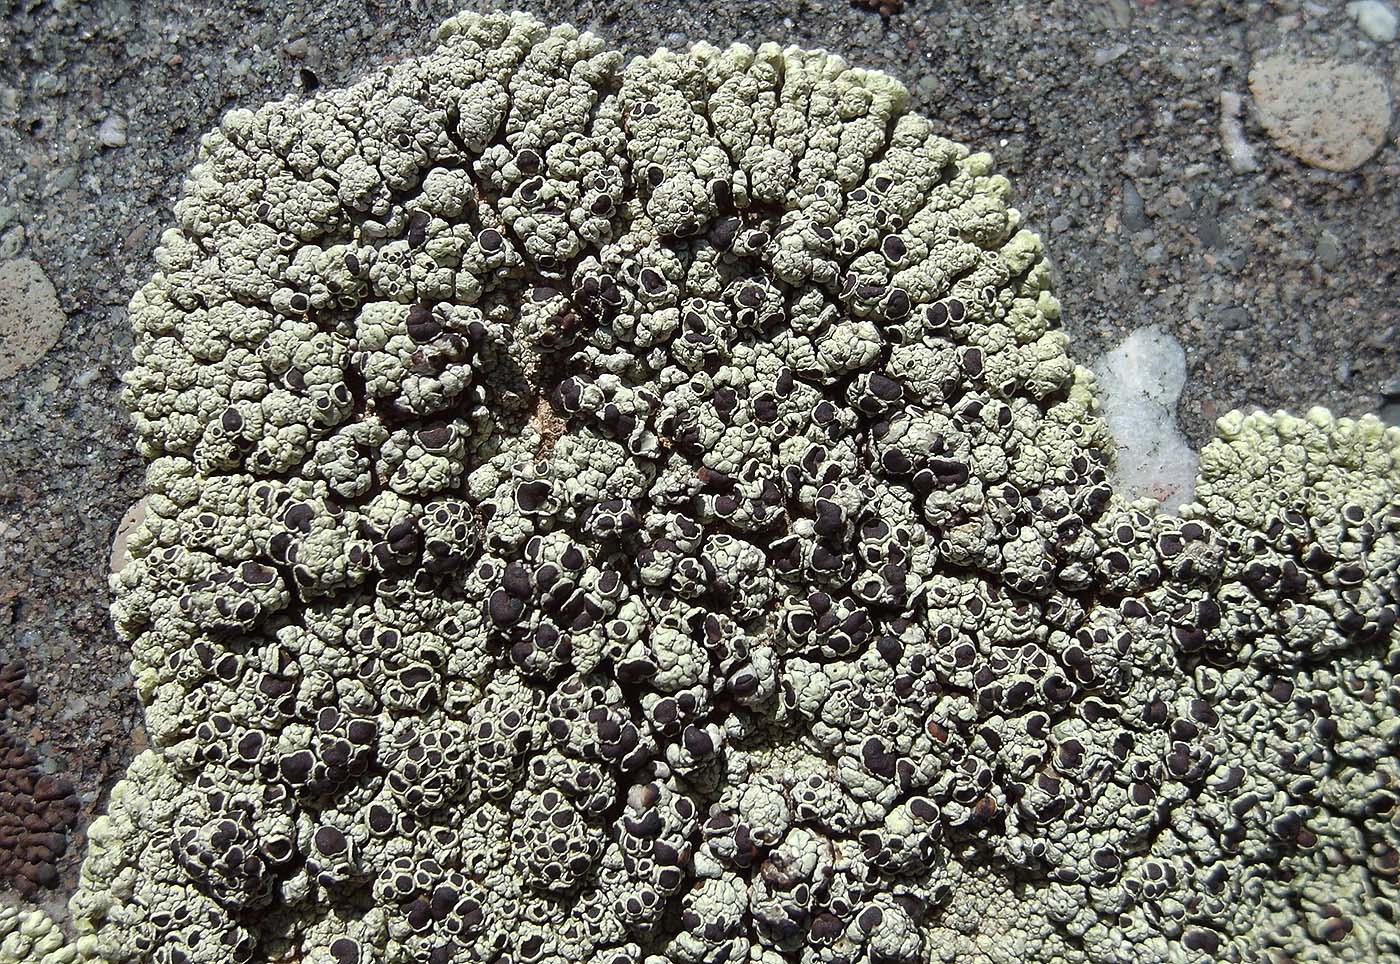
(112, 133)
(1238, 151)
(12, 242)
(1329, 250)
(30, 316)
(1107, 55)
(1390, 402)
(1134, 214)
(1375, 19)
(1327, 114)
(133, 518)
(1139, 384)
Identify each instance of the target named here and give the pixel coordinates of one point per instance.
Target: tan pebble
(133, 518)
(30, 316)
(1327, 114)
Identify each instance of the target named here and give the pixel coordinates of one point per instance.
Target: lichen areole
(641, 513)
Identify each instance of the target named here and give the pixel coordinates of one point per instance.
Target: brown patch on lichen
(550, 426)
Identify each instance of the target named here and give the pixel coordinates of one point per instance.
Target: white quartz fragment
(1139, 384)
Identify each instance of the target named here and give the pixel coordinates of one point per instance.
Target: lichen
(640, 513)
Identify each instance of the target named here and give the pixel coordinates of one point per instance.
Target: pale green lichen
(647, 513)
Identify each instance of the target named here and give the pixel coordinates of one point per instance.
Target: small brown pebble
(885, 8)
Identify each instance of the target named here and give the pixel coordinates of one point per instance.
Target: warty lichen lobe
(640, 513)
